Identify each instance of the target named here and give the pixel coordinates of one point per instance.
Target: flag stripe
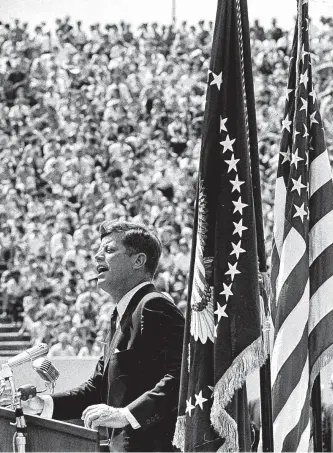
(320, 172)
(290, 295)
(287, 418)
(321, 303)
(320, 338)
(321, 203)
(290, 333)
(293, 247)
(321, 236)
(320, 270)
(296, 359)
(299, 432)
(304, 441)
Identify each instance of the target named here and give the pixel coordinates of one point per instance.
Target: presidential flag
(302, 257)
(223, 342)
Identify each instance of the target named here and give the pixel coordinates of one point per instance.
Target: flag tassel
(248, 361)
(179, 435)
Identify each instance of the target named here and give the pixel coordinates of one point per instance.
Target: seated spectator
(63, 348)
(90, 349)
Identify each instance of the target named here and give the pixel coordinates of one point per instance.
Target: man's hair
(136, 238)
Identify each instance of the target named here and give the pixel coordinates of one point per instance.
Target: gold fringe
(179, 436)
(249, 360)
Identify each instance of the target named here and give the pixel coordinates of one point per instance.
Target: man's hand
(103, 415)
(33, 406)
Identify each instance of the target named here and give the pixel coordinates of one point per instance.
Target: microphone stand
(19, 438)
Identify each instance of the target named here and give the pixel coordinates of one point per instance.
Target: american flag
(302, 257)
(223, 341)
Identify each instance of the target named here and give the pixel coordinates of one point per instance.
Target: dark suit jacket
(144, 375)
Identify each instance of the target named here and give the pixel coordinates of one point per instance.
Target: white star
(222, 124)
(199, 399)
(304, 78)
(221, 311)
(236, 184)
(286, 124)
(306, 134)
(239, 228)
(304, 53)
(237, 250)
(295, 159)
(304, 106)
(313, 119)
(288, 92)
(239, 206)
(227, 291)
(232, 163)
(286, 156)
(313, 94)
(300, 212)
(189, 406)
(297, 185)
(232, 270)
(227, 144)
(217, 80)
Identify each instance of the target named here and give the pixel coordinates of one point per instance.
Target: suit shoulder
(161, 303)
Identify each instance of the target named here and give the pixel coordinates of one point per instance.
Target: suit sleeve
(70, 404)
(162, 330)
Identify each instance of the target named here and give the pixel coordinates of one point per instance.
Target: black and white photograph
(166, 226)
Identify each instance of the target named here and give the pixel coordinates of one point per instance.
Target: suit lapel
(124, 322)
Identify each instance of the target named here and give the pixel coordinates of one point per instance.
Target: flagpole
(265, 370)
(174, 12)
(316, 408)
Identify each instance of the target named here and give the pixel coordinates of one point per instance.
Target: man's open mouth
(101, 269)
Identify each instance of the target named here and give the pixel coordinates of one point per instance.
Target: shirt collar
(124, 301)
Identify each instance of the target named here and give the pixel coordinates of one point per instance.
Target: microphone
(30, 354)
(46, 370)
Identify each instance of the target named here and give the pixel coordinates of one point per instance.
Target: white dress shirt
(47, 411)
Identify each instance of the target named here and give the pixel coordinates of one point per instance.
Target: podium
(47, 435)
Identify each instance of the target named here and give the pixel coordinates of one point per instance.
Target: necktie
(114, 322)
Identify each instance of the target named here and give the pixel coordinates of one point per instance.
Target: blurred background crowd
(104, 122)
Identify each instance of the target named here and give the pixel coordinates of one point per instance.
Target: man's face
(114, 264)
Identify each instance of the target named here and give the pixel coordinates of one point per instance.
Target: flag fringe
(179, 436)
(248, 361)
(323, 360)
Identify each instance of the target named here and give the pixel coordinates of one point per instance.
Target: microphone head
(28, 355)
(46, 370)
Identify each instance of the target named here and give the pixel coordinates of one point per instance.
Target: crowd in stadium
(104, 122)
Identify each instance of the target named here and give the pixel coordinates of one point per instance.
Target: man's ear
(140, 260)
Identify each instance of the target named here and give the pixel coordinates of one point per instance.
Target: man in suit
(134, 389)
